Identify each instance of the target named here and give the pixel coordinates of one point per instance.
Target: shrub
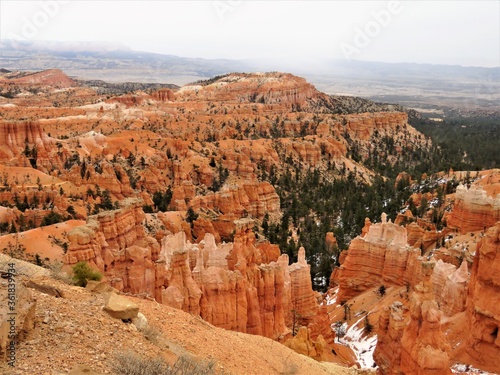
(130, 363)
(381, 290)
(191, 216)
(368, 325)
(82, 272)
(340, 329)
(188, 365)
(151, 333)
(52, 218)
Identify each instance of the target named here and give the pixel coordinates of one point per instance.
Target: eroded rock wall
(483, 305)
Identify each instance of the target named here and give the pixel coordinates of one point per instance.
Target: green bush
(82, 273)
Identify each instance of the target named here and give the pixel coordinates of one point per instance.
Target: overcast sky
(439, 32)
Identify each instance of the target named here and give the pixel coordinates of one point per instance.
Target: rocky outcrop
(413, 344)
(51, 77)
(246, 294)
(422, 235)
(181, 290)
(268, 88)
(164, 95)
(362, 126)
(255, 199)
(382, 256)
(303, 298)
(474, 209)
(483, 305)
(391, 325)
(115, 243)
(243, 285)
(450, 287)
(424, 348)
(18, 137)
(303, 344)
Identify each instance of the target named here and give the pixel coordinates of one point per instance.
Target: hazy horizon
(465, 33)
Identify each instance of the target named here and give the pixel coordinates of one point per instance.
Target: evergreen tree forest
(464, 143)
(313, 204)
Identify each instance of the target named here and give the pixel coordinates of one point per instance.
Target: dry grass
(130, 363)
(57, 273)
(151, 333)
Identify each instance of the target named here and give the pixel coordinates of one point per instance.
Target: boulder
(140, 321)
(120, 307)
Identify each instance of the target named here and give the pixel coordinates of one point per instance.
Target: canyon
(174, 194)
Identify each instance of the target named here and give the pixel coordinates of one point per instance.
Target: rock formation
(303, 344)
(391, 325)
(115, 242)
(279, 88)
(164, 95)
(255, 199)
(483, 304)
(240, 286)
(474, 209)
(416, 345)
(424, 346)
(303, 300)
(16, 137)
(450, 287)
(181, 290)
(51, 77)
(382, 256)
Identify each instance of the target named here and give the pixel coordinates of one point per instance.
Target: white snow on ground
(363, 347)
(331, 299)
(460, 368)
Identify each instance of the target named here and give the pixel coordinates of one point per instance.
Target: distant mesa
(52, 77)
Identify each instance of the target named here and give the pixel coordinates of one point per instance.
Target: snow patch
(460, 368)
(363, 347)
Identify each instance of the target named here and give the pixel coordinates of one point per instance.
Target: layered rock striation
(483, 304)
(243, 286)
(425, 349)
(382, 256)
(411, 340)
(474, 209)
(115, 242)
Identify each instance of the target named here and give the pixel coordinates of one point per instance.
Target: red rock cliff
(115, 242)
(483, 305)
(382, 256)
(474, 209)
(413, 343)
